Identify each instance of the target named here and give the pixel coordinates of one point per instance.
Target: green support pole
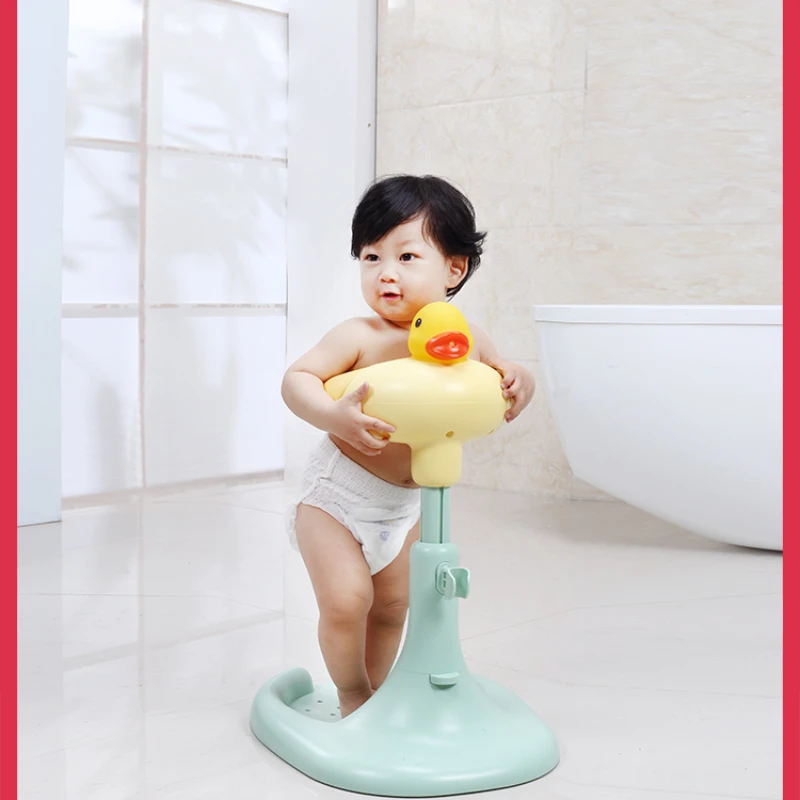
(433, 728)
(435, 515)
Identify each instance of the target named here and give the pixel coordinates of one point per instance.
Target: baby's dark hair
(448, 218)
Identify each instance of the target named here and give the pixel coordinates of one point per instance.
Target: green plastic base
(410, 740)
(433, 728)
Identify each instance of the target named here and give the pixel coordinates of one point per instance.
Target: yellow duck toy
(437, 399)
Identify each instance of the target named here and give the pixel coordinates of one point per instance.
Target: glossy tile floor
(146, 629)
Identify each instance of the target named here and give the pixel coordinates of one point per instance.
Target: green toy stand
(432, 728)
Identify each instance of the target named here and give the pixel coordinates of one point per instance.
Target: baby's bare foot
(350, 701)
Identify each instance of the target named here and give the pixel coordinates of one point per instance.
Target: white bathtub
(674, 409)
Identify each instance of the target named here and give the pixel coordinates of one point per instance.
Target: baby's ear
(458, 269)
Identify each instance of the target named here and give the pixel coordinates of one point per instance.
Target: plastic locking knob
(452, 581)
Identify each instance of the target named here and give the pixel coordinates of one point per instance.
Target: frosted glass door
(174, 294)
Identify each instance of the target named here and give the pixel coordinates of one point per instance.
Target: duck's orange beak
(448, 346)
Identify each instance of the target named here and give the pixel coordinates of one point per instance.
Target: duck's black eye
(418, 322)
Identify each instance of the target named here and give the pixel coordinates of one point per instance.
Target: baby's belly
(393, 464)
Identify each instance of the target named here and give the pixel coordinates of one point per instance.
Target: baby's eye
(407, 256)
(370, 257)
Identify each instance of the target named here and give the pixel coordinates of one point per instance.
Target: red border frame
(791, 645)
(8, 450)
(8, 438)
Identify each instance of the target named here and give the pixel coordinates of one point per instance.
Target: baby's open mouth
(390, 295)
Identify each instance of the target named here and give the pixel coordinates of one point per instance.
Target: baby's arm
(303, 391)
(518, 383)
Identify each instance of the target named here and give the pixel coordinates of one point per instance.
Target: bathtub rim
(661, 314)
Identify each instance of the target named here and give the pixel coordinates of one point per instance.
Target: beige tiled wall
(617, 152)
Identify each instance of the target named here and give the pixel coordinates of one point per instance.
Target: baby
(358, 512)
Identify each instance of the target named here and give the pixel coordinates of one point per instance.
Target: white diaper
(377, 513)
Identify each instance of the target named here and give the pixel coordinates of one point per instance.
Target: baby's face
(404, 271)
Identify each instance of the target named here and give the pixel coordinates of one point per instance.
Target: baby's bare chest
(378, 349)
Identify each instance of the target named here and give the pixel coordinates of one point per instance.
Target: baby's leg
(388, 613)
(343, 587)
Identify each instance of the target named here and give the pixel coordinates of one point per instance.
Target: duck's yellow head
(440, 334)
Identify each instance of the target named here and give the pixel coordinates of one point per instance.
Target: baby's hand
(351, 424)
(518, 386)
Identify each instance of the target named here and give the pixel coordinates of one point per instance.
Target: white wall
(331, 162)
(41, 81)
